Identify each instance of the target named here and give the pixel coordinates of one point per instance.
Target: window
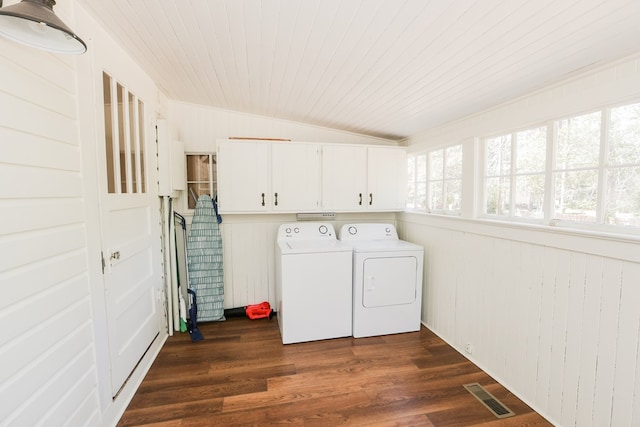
(622, 169)
(592, 173)
(124, 138)
(445, 179)
(597, 173)
(435, 180)
(514, 178)
(201, 177)
(417, 173)
(576, 170)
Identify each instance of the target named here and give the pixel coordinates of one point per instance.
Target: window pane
(624, 135)
(197, 189)
(421, 195)
(531, 150)
(133, 152)
(436, 163)
(454, 194)
(411, 168)
(411, 194)
(108, 133)
(411, 183)
(143, 144)
(198, 167)
(498, 155)
(453, 167)
(578, 142)
(623, 196)
(121, 138)
(435, 195)
(497, 191)
(529, 194)
(576, 195)
(421, 168)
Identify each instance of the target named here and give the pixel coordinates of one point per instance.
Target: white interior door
(130, 224)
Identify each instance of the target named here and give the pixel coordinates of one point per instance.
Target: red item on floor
(258, 311)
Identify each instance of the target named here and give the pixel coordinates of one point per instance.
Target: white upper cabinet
(356, 178)
(171, 162)
(344, 177)
(295, 177)
(267, 176)
(386, 178)
(243, 176)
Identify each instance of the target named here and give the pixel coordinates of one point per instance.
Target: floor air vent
(487, 399)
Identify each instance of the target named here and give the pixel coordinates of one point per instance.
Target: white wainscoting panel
(559, 327)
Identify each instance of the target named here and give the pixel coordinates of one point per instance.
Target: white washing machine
(387, 280)
(313, 283)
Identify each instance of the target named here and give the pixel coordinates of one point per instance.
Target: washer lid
(312, 246)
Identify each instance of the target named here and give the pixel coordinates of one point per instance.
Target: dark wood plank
(242, 375)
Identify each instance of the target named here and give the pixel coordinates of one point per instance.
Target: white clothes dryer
(313, 283)
(387, 280)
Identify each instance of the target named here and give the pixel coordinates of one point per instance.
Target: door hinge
(103, 263)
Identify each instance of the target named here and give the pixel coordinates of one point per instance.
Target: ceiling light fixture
(32, 22)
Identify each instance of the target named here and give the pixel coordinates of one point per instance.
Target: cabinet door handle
(360, 201)
(262, 199)
(276, 196)
(370, 199)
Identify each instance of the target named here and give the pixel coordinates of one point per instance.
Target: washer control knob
(296, 230)
(353, 230)
(388, 230)
(287, 230)
(323, 229)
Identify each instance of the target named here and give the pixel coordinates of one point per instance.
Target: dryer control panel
(366, 231)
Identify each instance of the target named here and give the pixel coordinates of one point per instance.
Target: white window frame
(513, 175)
(444, 180)
(414, 179)
(427, 156)
(602, 168)
(211, 180)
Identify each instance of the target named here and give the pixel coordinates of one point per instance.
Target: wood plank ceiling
(388, 68)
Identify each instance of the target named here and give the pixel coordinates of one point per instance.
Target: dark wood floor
(242, 375)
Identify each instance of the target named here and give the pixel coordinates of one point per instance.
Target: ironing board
(204, 261)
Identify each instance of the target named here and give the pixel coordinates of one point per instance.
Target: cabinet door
(344, 175)
(243, 176)
(386, 178)
(295, 177)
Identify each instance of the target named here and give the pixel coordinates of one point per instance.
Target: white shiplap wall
(249, 240)
(47, 351)
(558, 327)
(199, 127)
(553, 315)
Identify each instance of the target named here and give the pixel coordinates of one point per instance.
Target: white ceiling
(388, 68)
